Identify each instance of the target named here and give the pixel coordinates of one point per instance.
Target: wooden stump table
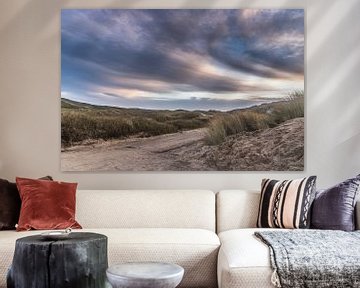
(78, 261)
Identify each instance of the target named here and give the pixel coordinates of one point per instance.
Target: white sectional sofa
(177, 226)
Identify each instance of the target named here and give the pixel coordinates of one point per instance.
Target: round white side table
(145, 275)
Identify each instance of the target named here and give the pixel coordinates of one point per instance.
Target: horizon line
(175, 109)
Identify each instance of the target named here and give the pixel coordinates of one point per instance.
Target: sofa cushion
(244, 261)
(46, 204)
(194, 249)
(153, 209)
(9, 205)
(236, 209)
(334, 208)
(286, 204)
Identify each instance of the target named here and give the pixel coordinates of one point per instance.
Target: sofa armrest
(357, 215)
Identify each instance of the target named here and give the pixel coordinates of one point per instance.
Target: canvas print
(182, 90)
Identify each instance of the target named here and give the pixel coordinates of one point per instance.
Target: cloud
(167, 50)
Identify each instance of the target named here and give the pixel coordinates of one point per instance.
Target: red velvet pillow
(46, 204)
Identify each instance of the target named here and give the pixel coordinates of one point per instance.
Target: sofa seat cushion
(244, 261)
(194, 249)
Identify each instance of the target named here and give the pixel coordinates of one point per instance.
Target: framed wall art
(182, 90)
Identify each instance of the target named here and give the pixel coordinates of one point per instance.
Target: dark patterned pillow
(286, 204)
(10, 204)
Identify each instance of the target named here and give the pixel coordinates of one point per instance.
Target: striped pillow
(286, 204)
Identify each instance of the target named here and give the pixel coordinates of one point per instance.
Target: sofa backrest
(239, 209)
(236, 209)
(146, 209)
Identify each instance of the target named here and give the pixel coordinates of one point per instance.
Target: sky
(208, 59)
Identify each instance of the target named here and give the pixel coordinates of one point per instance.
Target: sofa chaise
(177, 226)
(243, 261)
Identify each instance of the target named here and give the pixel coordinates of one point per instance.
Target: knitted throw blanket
(313, 258)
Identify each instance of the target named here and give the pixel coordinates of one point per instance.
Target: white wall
(30, 94)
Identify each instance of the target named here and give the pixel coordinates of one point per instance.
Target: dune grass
(81, 122)
(256, 118)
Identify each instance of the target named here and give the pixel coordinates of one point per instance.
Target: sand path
(133, 154)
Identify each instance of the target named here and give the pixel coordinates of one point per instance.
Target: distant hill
(71, 104)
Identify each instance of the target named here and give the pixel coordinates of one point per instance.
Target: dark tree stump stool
(80, 261)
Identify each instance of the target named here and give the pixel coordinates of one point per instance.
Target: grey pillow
(334, 208)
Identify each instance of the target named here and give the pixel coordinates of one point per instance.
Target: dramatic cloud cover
(181, 59)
